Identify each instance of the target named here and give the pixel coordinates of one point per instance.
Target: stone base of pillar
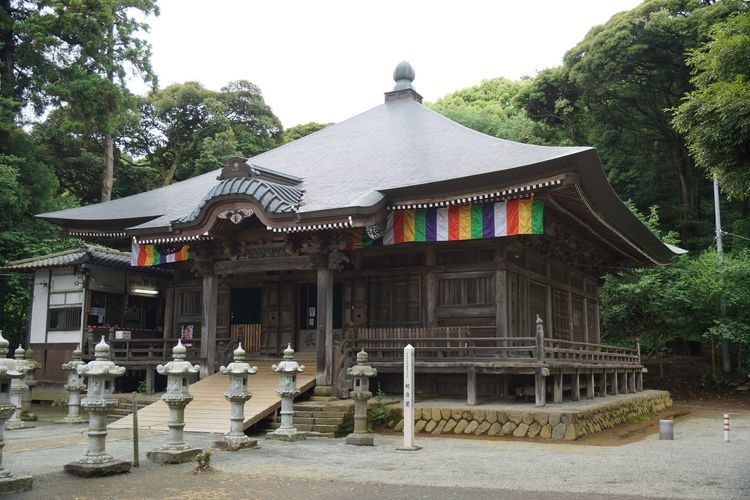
(98, 470)
(324, 390)
(287, 435)
(15, 484)
(12, 425)
(72, 420)
(167, 456)
(360, 439)
(234, 443)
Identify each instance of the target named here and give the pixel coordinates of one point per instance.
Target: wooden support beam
(624, 382)
(501, 303)
(208, 323)
(615, 384)
(639, 381)
(631, 382)
(603, 383)
(324, 341)
(471, 386)
(557, 388)
(575, 385)
(540, 389)
(150, 376)
(590, 386)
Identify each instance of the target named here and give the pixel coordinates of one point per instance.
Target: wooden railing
(447, 344)
(248, 334)
(149, 350)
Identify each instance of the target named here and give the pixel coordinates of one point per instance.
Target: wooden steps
(209, 411)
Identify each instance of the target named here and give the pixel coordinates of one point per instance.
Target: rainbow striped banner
(465, 222)
(360, 239)
(149, 255)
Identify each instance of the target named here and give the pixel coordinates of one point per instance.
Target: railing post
(638, 349)
(539, 339)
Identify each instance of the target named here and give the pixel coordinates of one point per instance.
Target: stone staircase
(318, 418)
(125, 408)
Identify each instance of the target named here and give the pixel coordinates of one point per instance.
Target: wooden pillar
(615, 383)
(624, 382)
(540, 388)
(639, 381)
(585, 320)
(324, 365)
(631, 382)
(504, 385)
(471, 386)
(557, 388)
(603, 383)
(501, 308)
(168, 313)
(590, 386)
(575, 385)
(208, 322)
(150, 375)
(430, 288)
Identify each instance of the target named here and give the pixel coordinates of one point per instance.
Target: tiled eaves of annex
(396, 150)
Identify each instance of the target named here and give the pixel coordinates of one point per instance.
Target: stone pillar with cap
(179, 374)
(237, 394)
(287, 391)
(75, 386)
(361, 372)
(9, 371)
(18, 391)
(31, 366)
(100, 374)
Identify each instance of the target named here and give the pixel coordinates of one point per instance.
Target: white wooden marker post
(726, 427)
(409, 400)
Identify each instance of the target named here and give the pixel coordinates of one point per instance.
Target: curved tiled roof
(273, 198)
(91, 255)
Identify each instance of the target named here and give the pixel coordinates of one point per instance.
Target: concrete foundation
(568, 421)
(168, 456)
(98, 470)
(233, 443)
(15, 484)
(287, 435)
(360, 439)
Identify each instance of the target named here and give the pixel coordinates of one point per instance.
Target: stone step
(320, 414)
(327, 429)
(316, 420)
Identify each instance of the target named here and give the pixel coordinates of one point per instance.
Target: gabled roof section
(87, 256)
(273, 198)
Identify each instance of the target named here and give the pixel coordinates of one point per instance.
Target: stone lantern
(287, 391)
(179, 374)
(75, 387)
(18, 392)
(100, 374)
(361, 372)
(237, 394)
(31, 366)
(8, 371)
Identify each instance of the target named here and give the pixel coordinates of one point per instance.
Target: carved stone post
(100, 374)
(361, 373)
(287, 391)
(179, 375)
(540, 374)
(8, 371)
(31, 366)
(18, 391)
(237, 394)
(75, 387)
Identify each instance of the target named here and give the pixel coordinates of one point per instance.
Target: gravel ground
(697, 464)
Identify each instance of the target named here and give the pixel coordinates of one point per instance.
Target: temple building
(395, 226)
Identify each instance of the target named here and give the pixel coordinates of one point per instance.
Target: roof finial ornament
(403, 75)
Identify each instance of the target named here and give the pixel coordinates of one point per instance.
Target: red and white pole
(726, 427)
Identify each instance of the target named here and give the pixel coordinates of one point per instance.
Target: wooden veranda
(598, 368)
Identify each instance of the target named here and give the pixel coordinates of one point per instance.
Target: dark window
(308, 306)
(65, 318)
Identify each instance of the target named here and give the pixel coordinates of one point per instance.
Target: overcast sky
(327, 60)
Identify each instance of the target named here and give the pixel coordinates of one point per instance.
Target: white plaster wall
(39, 307)
(63, 280)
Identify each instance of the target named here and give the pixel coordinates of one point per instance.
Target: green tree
(191, 129)
(615, 90)
(493, 108)
(715, 117)
(98, 50)
(303, 129)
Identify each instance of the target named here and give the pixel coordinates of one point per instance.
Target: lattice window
(466, 291)
(560, 315)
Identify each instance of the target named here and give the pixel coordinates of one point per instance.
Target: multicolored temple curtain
(149, 255)
(465, 222)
